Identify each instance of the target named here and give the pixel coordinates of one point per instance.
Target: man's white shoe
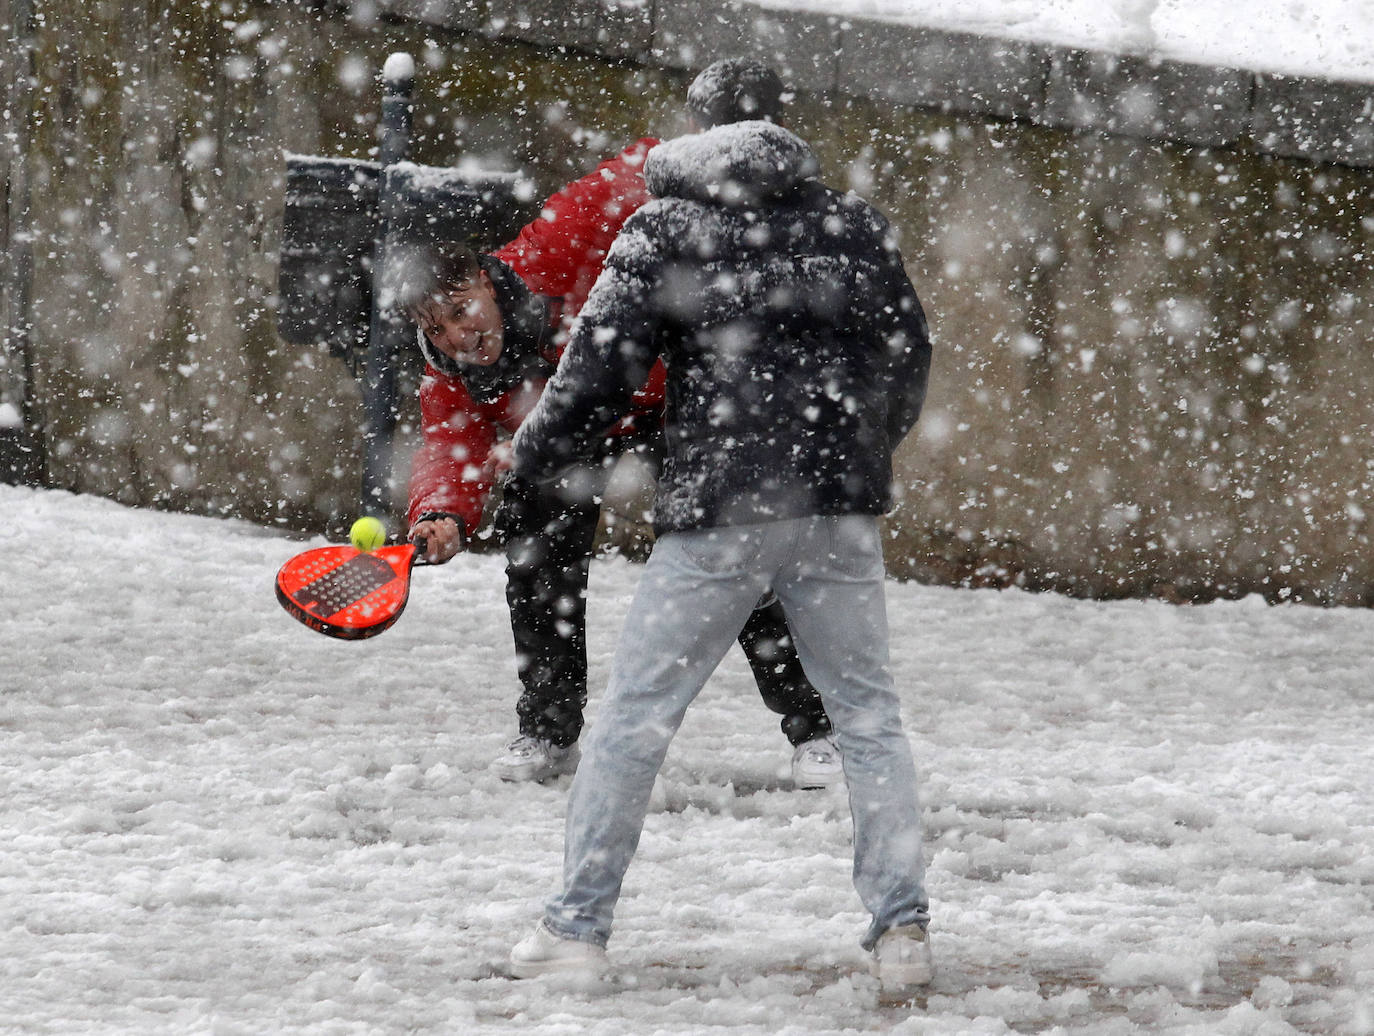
(817, 764)
(902, 959)
(534, 759)
(544, 952)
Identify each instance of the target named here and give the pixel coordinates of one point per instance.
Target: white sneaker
(902, 959)
(816, 763)
(534, 759)
(543, 952)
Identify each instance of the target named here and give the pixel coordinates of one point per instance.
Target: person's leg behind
(785, 689)
(546, 592)
(548, 563)
(778, 672)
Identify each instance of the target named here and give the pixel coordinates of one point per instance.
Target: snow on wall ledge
(1290, 116)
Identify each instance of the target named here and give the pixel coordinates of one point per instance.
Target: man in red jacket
(491, 328)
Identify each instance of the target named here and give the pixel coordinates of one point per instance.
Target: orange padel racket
(347, 593)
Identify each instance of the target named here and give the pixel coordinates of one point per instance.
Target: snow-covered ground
(1322, 38)
(1141, 818)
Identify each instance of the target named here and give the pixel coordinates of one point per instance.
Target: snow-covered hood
(740, 164)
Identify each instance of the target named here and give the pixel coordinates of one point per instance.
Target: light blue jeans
(696, 592)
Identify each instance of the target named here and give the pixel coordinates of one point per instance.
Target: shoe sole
(521, 775)
(818, 783)
(570, 968)
(533, 777)
(897, 979)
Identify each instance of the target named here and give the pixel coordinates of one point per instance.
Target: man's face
(465, 323)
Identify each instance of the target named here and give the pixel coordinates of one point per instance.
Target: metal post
(385, 336)
(21, 444)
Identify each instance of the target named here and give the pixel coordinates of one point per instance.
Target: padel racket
(347, 593)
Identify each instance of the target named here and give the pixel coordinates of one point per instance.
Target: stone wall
(1148, 283)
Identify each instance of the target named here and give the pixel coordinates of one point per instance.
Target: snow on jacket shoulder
(796, 347)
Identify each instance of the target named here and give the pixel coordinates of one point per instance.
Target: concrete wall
(1042, 84)
(1149, 283)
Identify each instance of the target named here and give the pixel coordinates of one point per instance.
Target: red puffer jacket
(559, 255)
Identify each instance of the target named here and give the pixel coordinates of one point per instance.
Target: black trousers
(546, 590)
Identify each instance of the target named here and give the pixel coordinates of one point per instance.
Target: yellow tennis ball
(367, 534)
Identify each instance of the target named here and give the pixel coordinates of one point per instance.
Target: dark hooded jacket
(796, 349)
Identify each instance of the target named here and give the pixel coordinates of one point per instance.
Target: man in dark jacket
(797, 358)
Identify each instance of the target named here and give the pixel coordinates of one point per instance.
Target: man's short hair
(735, 90)
(420, 272)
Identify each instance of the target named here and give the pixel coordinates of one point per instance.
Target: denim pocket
(854, 546)
(725, 550)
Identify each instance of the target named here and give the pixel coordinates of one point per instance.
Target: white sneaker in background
(902, 959)
(534, 759)
(817, 764)
(543, 952)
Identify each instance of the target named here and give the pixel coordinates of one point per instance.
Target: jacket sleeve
(450, 472)
(901, 327)
(562, 252)
(613, 347)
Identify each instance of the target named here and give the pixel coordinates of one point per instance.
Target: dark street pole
(21, 444)
(386, 337)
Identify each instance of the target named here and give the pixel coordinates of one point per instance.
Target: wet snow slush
(1140, 817)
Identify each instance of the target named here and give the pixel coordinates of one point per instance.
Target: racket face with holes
(346, 593)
